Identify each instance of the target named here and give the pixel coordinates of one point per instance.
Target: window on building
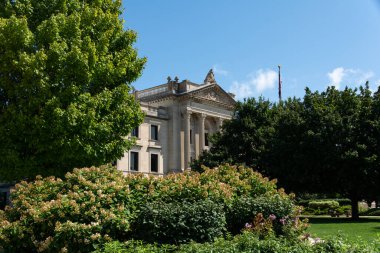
(134, 161)
(206, 139)
(153, 162)
(191, 137)
(3, 200)
(154, 132)
(135, 132)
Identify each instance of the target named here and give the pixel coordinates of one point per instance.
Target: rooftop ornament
(210, 78)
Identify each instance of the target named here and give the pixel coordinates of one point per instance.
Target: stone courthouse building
(179, 117)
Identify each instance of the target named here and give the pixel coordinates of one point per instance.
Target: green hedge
(322, 207)
(324, 204)
(180, 222)
(305, 202)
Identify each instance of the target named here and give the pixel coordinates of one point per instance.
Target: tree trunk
(354, 207)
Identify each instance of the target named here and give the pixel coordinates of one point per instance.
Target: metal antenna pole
(279, 82)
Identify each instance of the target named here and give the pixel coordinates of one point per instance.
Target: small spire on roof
(210, 78)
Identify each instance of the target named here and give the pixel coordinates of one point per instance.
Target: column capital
(188, 114)
(186, 110)
(202, 116)
(220, 123)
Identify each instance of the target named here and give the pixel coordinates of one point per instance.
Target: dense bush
(342, 202)
(323, 207)
(242, 193)
(180, 222)
(247, 242)
(324, 204)
(94, 205)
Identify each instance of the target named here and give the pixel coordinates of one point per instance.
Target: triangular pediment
(214, 93)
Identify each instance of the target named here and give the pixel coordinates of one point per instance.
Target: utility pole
(279, 82)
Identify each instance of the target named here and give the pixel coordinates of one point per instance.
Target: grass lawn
(367, 228)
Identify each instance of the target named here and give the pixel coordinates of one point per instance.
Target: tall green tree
(244, 139)
(373, 124)
(66, 69)
(338, 137)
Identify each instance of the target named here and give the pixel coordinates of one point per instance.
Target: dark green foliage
(66, 69)
(180, 222)
(328, 143)
(332, 146)
(245, 138)
(210, 159)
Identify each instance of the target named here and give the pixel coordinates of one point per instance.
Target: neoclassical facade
(179, 117)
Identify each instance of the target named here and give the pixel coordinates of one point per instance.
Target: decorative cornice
(211, 99)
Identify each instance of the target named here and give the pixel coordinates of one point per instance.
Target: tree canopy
(66, 69)
(328, 142)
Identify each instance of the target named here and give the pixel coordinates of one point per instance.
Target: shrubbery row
(341, 201)
(92, 206)
(326, 206)
(247, 242)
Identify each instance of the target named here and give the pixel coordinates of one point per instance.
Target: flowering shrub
(92, 206)
(243, 209)
(261, 226)
(88, 208)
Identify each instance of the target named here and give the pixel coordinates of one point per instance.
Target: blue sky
(317, 43)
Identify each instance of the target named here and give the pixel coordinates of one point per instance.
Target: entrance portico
(198, 126)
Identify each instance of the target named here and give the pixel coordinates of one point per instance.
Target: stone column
(201, 127)
(196, 140)
(187, 139)
(175, 139)
(220, 123)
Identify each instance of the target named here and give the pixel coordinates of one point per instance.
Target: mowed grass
(365, 229)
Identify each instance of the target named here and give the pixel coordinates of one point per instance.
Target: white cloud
(344, 76)
(257, 83)
(375, 87)
(336, 76)
(220, 71)
(264, 80)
